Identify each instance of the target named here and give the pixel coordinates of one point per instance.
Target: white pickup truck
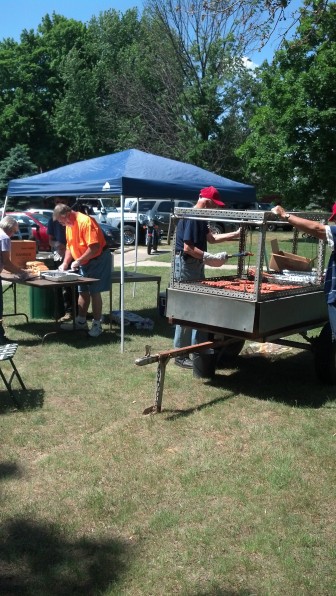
(161, 209)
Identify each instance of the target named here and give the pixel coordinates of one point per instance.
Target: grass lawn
(229, 491)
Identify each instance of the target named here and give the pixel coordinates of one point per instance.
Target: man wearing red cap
(322, 232)
(192, 236)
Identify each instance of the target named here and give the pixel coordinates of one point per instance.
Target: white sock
(95, 322)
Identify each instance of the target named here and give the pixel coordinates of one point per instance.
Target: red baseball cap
(210, 192)
(333, 213)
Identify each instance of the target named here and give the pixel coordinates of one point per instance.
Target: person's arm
(67, 261)
(9, 266)
(215, 239)
(314, 228)
(193, 251)
(90, 253)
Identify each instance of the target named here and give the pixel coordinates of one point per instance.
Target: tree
(16, 165)
(30, 84)
(211, 69)
(258, 19)
(291, 147)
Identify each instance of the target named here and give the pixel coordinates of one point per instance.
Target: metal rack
(253, 313)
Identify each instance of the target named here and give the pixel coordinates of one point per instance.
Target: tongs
(241, 254)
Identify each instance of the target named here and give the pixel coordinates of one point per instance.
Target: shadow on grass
(9, 469)
(80, 339)
(29, 399)
(290, 381)
(35, 558)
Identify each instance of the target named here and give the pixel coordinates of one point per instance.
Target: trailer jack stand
(162, 358)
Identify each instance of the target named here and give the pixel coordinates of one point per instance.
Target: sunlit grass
(230, 490)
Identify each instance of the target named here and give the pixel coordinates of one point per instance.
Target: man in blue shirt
(57, 242)
(191, 255)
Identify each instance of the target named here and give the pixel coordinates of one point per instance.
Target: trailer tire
(229, 352)
(325, 356)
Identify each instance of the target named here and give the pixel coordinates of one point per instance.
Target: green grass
(229, 491)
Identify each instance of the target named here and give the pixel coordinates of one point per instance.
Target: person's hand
(23, 275)
(278, 210)
(236, 234)
(215, 260)
(75, 265)
(61, 267)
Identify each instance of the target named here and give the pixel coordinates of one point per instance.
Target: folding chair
(7, 352)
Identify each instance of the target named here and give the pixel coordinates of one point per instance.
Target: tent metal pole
(4, 207)
(122, 275)
(136, 243)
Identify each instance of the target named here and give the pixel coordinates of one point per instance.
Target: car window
(185, 204)
(24, 219)
(144, 206)
(42, 219)
(165, 207)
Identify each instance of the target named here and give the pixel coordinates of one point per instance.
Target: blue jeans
(188, 270)
(332, 320)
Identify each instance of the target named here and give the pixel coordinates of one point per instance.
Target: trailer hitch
(162, 358)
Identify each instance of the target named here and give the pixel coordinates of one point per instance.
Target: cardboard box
(290, 261)
(22, 251)
(281, 260)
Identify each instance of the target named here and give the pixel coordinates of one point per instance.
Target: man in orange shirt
(87, 251)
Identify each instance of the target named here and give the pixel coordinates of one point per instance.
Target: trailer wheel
(325, 356)
(229, 352)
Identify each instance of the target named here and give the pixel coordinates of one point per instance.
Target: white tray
(60, 276)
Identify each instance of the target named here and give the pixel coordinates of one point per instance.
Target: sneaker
(184, 362)
(67, 317)
(95, 330)
(78, 325)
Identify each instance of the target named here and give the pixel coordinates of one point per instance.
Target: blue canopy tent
(131, 173)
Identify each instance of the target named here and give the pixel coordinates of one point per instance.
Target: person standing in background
(57, 241)
(8, 227)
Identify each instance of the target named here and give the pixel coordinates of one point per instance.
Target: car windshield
(24, 219)
(43, 219)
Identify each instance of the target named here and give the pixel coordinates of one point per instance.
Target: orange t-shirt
(83, 234)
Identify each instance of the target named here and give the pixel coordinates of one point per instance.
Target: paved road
(143, 258)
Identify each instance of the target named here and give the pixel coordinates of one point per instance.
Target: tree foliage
(292, 143)
(211, 103)
(17, 164)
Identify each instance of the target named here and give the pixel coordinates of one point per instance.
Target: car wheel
(129, 235)
(216, 228)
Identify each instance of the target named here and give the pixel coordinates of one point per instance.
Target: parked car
(159, 209)
(47, 212)
(111, 235)
(33, 226)
(97, 207)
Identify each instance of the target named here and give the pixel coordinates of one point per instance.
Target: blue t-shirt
(56, 230)
(192, 231)
(330, 280)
